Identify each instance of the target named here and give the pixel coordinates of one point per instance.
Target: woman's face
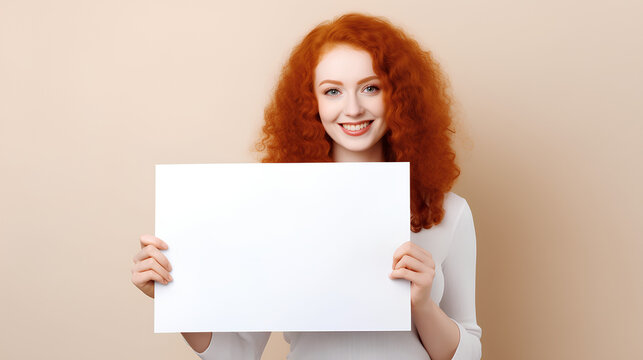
(351, 104)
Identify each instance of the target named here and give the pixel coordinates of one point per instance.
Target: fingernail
(171, 278)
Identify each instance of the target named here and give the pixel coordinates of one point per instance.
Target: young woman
(360, 89)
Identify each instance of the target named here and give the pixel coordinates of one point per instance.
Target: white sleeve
(235, 345)
(459, 298)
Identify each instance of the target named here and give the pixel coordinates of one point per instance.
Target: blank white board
(282, 247)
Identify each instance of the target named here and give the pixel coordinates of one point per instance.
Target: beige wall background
(550, 141)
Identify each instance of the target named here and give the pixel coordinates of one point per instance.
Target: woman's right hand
(150, 265)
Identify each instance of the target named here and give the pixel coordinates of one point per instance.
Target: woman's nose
(353, 106)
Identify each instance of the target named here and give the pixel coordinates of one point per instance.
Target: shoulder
(439, 238)
(456, 209)
(454, 201)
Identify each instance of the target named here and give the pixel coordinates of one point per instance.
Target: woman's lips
(357, 132)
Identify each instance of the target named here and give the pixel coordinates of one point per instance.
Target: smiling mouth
(356, 129)
(356, 126)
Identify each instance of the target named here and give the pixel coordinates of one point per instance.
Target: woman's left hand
(416, 265)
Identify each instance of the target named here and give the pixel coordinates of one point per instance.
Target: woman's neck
(374, 153)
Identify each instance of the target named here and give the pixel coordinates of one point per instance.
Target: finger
(406, 274)
(153, 252)
(141, 278)
(149, 239)
(152, 264)
(409, 248)
(412, 263)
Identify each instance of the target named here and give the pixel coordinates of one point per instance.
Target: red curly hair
(417, 109)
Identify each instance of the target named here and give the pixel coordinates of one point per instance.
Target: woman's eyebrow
(340, 83)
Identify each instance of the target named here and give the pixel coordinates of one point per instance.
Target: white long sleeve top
(452, 243)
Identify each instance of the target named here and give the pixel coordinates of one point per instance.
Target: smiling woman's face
(351, 104)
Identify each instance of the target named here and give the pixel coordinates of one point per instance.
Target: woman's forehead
(345, 62)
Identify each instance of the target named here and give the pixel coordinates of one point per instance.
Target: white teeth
(355, 127)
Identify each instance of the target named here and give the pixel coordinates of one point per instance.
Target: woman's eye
(371, 88)
(331, 92)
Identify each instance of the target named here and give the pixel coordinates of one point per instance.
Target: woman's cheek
(329, 110)
(376, 105)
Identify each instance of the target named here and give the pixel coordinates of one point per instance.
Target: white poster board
(282, 247)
